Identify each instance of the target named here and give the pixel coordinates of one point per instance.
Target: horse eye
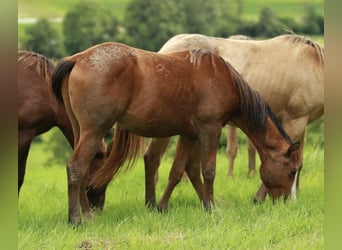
(293, 172)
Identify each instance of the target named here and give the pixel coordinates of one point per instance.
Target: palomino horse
(286, 70)
(190, 93)
(39, 111)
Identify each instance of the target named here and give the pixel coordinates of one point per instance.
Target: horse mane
(253, 107)
(43, 65)
(310, 47)
(196, 56)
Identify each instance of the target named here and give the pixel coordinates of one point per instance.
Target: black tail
(63, 68)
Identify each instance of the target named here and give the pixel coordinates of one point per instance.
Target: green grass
(236, 223)
(57, 8)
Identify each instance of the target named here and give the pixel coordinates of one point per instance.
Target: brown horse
(291, 82)
(39, 111)
(190, 93)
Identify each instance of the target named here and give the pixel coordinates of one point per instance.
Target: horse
(39, 111)
(286, 70)
(192, 94)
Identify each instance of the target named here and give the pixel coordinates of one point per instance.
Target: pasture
(236, 223)
(292, 8)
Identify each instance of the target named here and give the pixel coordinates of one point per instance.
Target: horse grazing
(191, 94)
(39, 111)
(291, 82)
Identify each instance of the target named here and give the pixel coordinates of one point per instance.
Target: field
(236, 223)
(39, 8)
(125, 223)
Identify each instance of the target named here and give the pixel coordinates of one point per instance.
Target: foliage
(58, 148)
(88, 23)
(149, 23)
(268, 24)
(312, 22)
(44, 39)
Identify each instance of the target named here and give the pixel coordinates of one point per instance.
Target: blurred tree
(150, 23)
(211, 17)
(312, 22)
(60, 148)
(86, 24)
(44, 39)
(268, 25)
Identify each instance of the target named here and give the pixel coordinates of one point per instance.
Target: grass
(58, 8)
(236, 223)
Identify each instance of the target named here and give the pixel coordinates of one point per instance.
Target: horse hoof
(162, 209)
(251, 173)
(75, 221)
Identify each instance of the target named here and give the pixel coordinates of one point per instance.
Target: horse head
(279, 172)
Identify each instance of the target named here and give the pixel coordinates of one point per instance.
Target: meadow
(291, 8)
(125, 223)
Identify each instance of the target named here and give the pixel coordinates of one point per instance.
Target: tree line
(148, 24)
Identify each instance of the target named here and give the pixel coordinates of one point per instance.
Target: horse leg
(232, 148)
(25, 139)
(183, 152)
(251, 158)
(77, 170)
(193, 170)
(152, 158)
(208, 138)
(97, 196)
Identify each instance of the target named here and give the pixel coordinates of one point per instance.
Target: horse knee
(209, 175)
(151, 160)
(232, 151)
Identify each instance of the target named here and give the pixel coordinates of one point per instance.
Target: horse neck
(268, 140)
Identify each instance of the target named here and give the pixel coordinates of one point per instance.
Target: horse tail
(62, 70)
(60, 88)
(125, 146)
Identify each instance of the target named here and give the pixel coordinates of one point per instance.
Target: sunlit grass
(235, 223)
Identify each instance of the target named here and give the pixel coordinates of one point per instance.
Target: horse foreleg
(97, 196)
(182, 156)
(208, 138)
(251, 158)
(193, 170)
(152, 158)
(24, 141)
(232, 148)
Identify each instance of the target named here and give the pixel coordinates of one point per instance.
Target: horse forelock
(253, 107)
(43, 66)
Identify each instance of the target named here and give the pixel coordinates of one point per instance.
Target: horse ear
(292, 148)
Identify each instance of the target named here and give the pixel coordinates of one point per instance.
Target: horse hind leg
(232, 148)
(177, 170)
(77, 170)
(152, 158)
(251, 158)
